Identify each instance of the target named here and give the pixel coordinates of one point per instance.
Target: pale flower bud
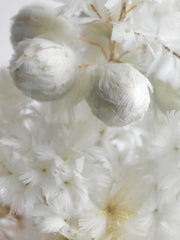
(43, 69)
(40, 20)
(119, 94)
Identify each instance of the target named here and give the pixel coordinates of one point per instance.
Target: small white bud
(43, 69)
(40, 20)
(119, 94)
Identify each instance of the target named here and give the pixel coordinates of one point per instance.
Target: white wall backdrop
(9, 8)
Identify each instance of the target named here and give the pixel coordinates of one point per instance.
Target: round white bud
(119, 94)
(43, 69)
(41, 20)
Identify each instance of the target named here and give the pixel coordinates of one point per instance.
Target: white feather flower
(43, 69)
(119, 94)
(60, 165)
(16, 227)
(165, 74)
(158, 217)
(51, 220)
(113, 206)
(165, 146)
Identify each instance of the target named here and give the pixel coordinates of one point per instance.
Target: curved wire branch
(99, 15)
(87, 64)
(95, 44)
(174, 53)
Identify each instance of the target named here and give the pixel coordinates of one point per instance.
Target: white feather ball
(43, 69)
(119, 94)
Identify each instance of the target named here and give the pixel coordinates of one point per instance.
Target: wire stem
(96, 44)
(87, 64)
(123, 12)
(174, 53)
(131, 7)
(123, 54)
(166, 47)
(99, 15)
(113, 44)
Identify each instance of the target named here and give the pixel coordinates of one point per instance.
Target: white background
(9, 8)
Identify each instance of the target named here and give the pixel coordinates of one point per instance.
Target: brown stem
(123, 54)
(131, 7)
(123, 12)
(114, 61)
(115, 43)
(174, 53)
(96, 11)
(95, 44)
(166, 47)
(144, 46)
(87, 64)
(99, 15)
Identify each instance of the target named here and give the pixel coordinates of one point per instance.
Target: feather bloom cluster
(90, 122)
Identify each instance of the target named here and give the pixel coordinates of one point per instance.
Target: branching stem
(166, 47)
(123, 12)
(131, 7)
(113, 44)
(174, 53)
(96, 44)
(123, 54)
(87, 64)
(99, 15)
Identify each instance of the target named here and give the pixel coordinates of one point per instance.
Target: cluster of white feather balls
(117, 93)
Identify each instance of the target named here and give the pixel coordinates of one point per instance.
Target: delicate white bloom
(114, 205)
(41, 21)
(8, 224)
(157, 218)
(63, 170)
(166, 68)
(164, 148)
(165, 74)
(43, 69)
(96, 32)
(119, 94)
(57, 167)
(155, 30)
(16, 227)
